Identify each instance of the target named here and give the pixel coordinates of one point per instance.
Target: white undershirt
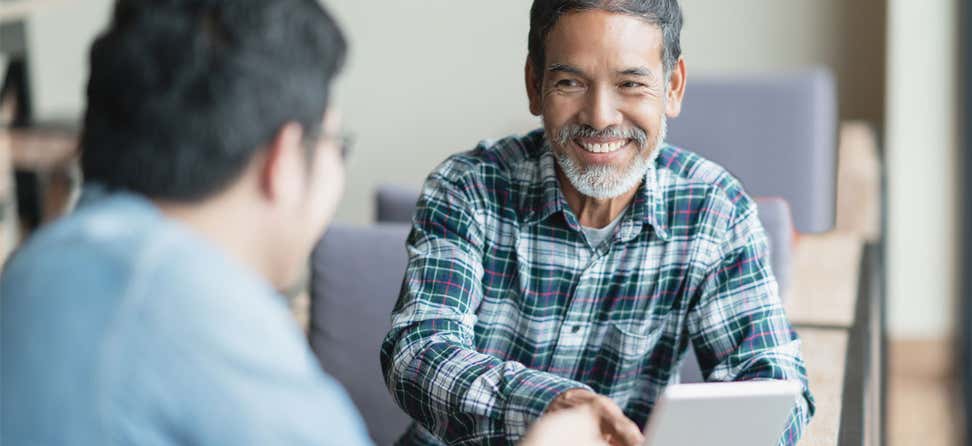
(597, 237)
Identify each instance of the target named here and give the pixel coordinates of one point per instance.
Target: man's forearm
(467, 392)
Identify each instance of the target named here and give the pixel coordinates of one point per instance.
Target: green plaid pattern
(505, 304)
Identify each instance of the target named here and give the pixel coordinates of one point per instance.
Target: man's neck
(594, 212)
(221, 224)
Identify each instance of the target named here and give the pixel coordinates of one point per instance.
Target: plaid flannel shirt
(505, 304)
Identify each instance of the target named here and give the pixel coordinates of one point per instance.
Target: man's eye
(631, 84)
(567, 83)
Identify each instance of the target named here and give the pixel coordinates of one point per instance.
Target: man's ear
(282, 171)
(533, 87)
(676, 89)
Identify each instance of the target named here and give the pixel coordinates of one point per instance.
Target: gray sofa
(356, 273)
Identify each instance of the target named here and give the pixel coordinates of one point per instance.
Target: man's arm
(738, 326)
(429, 357)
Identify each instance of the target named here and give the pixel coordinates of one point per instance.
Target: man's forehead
(597, 37)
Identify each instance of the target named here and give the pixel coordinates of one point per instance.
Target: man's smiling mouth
(605, 146)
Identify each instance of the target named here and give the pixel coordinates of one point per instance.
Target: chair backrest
(776, 133)
(356, 274)
(774, 214)
(395, 204)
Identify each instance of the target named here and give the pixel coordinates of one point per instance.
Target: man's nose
(601, 109)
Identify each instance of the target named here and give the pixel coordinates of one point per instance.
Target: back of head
(183, 93)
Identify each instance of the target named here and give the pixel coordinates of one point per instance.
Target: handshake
(581, 417)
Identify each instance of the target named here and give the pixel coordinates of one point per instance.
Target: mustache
(573, 131)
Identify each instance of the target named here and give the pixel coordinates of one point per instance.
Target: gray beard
(607, 181)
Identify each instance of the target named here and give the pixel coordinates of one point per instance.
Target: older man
(575, 265)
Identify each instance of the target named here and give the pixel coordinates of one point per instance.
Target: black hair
(183, 93)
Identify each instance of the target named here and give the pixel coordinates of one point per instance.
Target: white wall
(428, 81)
(742, 36)
(58, 37)
(922, 156)
(434, 77)
(429, 78)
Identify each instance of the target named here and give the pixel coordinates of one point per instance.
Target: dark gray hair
(666, 14)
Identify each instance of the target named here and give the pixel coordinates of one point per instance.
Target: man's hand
(615, 428)
(577, 426)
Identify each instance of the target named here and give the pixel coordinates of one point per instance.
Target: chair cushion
(356, 274)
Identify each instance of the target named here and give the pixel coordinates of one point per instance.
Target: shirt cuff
(533, 391)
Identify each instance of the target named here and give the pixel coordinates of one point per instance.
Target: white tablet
(750, 413)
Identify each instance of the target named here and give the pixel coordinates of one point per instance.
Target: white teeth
(603, 148)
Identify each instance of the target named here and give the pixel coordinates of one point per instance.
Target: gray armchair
(776, 133)
(356, 273)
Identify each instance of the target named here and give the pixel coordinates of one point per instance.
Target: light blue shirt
(120, 326)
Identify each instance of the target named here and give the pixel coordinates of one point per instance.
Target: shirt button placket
(576, 326)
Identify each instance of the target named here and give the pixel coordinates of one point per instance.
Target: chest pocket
(624, 354)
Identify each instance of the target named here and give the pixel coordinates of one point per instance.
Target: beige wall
(430, 78)
(426, 80)
(58, 38)
(466, 83)
(761, 35)
(745, 36)
(922, 156)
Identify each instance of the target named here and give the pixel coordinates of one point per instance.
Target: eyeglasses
(343, 140)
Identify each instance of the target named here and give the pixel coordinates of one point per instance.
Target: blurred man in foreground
(150, 315)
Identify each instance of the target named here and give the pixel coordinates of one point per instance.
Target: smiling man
(573, 266)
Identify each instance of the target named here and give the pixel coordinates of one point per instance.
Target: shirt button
(575, 329)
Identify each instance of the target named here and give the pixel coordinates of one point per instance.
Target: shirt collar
(647, 209)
